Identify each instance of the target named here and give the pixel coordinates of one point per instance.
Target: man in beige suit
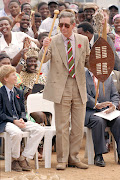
(67, 90)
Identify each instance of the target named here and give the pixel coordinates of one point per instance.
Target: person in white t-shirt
(12, 42)
(46, 24)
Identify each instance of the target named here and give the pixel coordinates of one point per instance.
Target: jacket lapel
(6, 100)
(77, 51)
(61, 49)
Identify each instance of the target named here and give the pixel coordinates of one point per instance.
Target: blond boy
(13, 120)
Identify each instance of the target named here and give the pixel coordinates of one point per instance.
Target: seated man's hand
(20, 123)
(110, 109)
(103, 105)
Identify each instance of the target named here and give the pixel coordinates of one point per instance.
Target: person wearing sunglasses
(68, 53)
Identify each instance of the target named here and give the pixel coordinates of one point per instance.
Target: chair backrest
(35, 102)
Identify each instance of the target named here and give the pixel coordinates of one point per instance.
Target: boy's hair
(5, 71)
(3, 56)
(42, 34)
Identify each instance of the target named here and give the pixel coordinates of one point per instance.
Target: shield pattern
(101, 59)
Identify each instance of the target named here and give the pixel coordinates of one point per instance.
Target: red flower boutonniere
(41, 73)
(17, 96)
(79, 45)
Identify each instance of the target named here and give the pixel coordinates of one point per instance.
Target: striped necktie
(71, 64)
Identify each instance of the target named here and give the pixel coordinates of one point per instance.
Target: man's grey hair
(65, 14)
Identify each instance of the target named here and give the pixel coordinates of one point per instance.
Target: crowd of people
(65, 74)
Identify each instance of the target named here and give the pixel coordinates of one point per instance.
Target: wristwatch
(22, 62)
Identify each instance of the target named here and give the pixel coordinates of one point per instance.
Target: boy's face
(11, 79)
(37, 22)
(5, 61)
(41, 41)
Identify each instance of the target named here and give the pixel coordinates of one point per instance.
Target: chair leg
(90, 147)
(48, 148)
(7, 153)
(115, 149)
(36, 160)
(2, 146)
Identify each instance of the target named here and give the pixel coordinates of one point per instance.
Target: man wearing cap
(89, 10)
(113, 11)
(46, 24)
(66, 87)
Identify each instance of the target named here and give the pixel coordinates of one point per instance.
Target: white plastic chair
(8, 145)
(89, 150)
(35, 102)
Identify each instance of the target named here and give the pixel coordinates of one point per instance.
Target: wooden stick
(56, 12)
(97, 92)
(103, 89)
(104, 35)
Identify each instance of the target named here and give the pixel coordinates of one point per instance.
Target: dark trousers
(98, 125)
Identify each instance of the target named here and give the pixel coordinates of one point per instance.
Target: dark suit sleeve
(117, 59)
(3, 116)
(90, 102)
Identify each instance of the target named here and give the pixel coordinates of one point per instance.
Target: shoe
(78, 165)
(99, 161)
(24, 165)
(61, 166)
(118, 158)
(16, 166)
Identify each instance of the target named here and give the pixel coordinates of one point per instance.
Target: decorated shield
(101, 59)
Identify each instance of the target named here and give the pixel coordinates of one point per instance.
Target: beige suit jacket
(58, 73)
(116, 79)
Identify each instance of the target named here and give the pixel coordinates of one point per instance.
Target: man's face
(25, 21)
(31, 65)
(88, 13)
(66, 30)
(14, 9)
(52, 7)
(43, 10)
(113, 12)
(27, 9)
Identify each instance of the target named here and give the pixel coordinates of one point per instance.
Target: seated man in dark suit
(97, 124)
(13, 120)
(86, 29)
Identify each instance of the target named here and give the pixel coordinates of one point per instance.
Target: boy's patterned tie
(71, 63)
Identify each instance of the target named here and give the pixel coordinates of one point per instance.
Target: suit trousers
(36, 134)
(98, 125)
(68, 143)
